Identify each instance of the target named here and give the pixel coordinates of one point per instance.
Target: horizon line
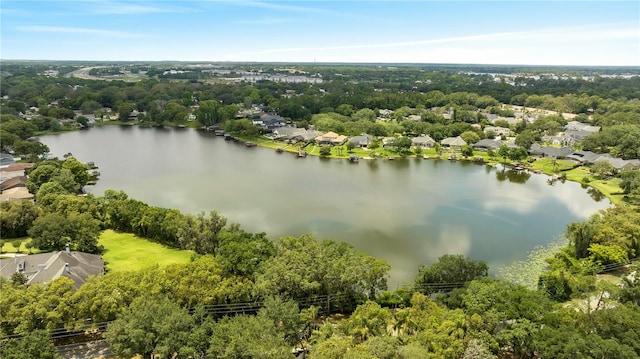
(316, 62)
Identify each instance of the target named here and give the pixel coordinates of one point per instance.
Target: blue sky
(482, 32)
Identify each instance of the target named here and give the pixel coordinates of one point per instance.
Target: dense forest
(244, 295)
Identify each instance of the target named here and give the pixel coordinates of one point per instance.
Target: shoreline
(574, 173)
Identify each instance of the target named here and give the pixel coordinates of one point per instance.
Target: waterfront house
(361, 141)
(14, 170)
(269, 121)
(331, 138)
(485, 144)
(618, 163)
(589, 158)
(423, 141)
(20, 181)
(551, 152)
(453, 142)
(16, 194)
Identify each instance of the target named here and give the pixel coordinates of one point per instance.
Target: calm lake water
(408, 212)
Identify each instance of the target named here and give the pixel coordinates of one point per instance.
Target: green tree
(603, 169)
(78, 170)
(325, 151)
(124, 109)
(151, 325)
(526, 139)
(16, 217)
(368, 320)
(285, 316)
(303, 266)
(450, 269)
(438, 148)
(53, 231)
(35, 344)
(470, 137)
(517, 153)
(209, 112)
(174, 112)
(344, 109)
(466, 150)
(201, 233)
(42, 173)
(246, 336)
(402, 145)
(364, 114)
(335, 347)
(241, 253)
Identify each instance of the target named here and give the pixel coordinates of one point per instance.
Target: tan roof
(20, 181)
(17, 167)
(6, 175)
(328, 136)
(17, 193)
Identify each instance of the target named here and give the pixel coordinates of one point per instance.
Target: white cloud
(76, 30)
(131, 8)
(281, 7)
(266, 21)
(499, 47)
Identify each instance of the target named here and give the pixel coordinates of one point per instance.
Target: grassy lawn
(125, 251)
(608, 187)
(8, 246)
(547, 167)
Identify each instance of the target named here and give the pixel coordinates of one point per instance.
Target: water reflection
(406, 211)
(513, 176)
(400, 163)
(372, 164)
(518, 176)
(501, 175)
(595, 194)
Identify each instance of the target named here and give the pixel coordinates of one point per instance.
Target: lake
(408, 212)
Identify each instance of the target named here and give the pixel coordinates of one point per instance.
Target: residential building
(485, 144)
(361, 141)
(45, 267)
(453, 142)
(498, 131)
(331, 138)
(423, 141)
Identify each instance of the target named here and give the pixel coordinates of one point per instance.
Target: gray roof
(44, 267)
(422, 140)
(583, 156)
(618, 163)
(361, 140)
(488, 143)
(577, 135)
(453, 141)
(6, 159)
(579, 126)
(270, 119)
(553, 152)
(286, 131)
